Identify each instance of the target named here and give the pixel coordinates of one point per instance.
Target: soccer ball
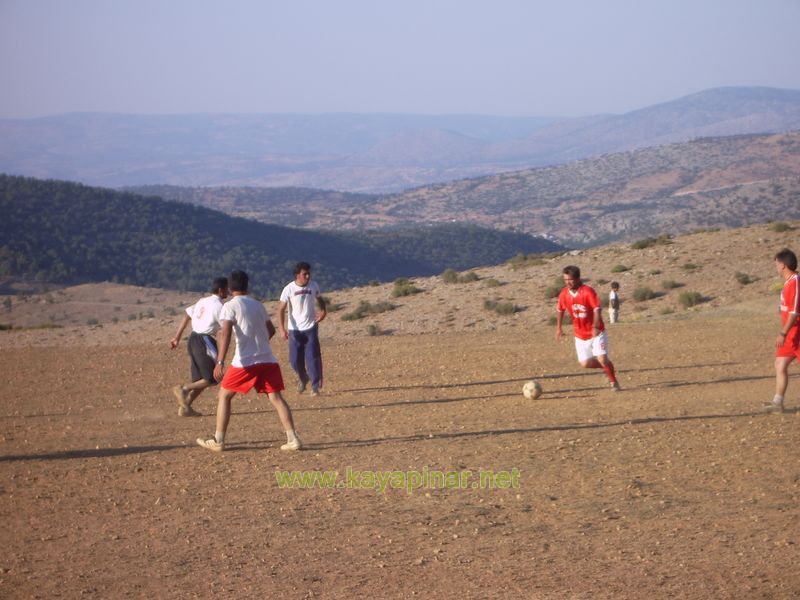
(532, 390)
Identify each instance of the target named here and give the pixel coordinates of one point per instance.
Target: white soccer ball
(532, 390)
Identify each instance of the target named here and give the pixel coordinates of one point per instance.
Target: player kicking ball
(591, 339)
(253, 365)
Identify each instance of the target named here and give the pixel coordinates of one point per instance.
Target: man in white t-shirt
(613, 302)
(253, 365)
(301, 327)
(202, 347)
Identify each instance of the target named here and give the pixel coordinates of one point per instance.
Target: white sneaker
(294, 445)
(211, 443)
(771, 407)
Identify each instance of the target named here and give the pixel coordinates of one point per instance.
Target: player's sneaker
(293, 445)
(301, 386)
(180, 396)
(314, 390)
(615, 386)
(771, 407)
(188, 411)
(211, 443)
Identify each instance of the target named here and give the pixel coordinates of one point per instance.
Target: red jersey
(790, 303)
(580, 305)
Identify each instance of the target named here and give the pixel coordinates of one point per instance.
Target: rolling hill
(69, 233)
(363, 153)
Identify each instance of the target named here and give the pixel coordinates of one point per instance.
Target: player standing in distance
(253, 364)
(787, 343)
(613, 303)
(202, 347)
(591, 340)
(305, 354)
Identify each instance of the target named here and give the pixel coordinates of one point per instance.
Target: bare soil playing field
(676, 487)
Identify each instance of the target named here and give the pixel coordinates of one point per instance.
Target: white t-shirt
(301, 300)
(612, 297)
(249, 318)
(205, 315)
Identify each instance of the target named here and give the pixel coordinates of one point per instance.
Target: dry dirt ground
(676, 487)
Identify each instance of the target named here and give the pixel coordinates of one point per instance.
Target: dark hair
(302, 266)
(614, 285)
(572, 271)
(239, 281)
(788, 258)
(220, 283)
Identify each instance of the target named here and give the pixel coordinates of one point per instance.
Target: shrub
(91, 321)
(654, 272)
(404, 287)
(501, 308)
(661, 240)
(743, 278)
(373, 330)
(670, 284)
(601, 281)
(667, 311)
(521, 260)
(780, 227)
(619, 268)
(5, 327)
(688, 299)
(451, 276)
(330, 305)
(492, 283)
(642, 294)
(364, 308)
(690, 266)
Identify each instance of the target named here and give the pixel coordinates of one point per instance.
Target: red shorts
(265, 377)
(791, 346)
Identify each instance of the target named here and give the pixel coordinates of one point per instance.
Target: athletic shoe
(301, 386)
(615, 386)
(188, 411)
(314, 390)
(295, 445)
(180, 396)
(211, 443)
(771, 407)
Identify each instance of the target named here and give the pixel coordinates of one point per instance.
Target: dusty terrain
(676, 487)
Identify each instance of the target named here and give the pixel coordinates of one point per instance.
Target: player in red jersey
(787, 343)
(591, 339)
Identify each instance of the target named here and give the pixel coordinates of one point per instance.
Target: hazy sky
(503, 57)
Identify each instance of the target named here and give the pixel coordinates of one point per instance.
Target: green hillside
(68, 233)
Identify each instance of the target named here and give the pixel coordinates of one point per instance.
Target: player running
(591, 339)
(787, 343)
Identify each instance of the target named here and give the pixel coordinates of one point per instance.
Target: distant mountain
(363, 153)
(70, 233)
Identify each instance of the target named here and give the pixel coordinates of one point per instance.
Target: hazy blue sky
(505, 57)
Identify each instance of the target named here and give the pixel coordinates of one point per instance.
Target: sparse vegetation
(365, 308)
(619, 269)
(92, 321)
(690, 266)
(522, 261)
(330, 305)
(493, 283)
(689, 299)
(501, 308)
(654, 272)
(404, 287)
(743, 278)
(670, 284)
(780, 227)
(452, 276)
(661, 240)
(642, 294)
(668, 310)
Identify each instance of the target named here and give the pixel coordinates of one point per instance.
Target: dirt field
(676, 487)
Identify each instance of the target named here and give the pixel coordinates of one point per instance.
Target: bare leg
(782, 374)
(284, 412)
(224, 409)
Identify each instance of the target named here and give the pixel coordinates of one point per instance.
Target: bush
(661, 240)
(670, 284)
(404, 287)
(744, 278)
(91, 321)
(373, 330)
(451, 276)
(492, 283)
(690, 266)
(521, 261)
(619, 269)
(654, 272)
(364, 308)
(330, 305)
(667, 310)
(780, 227)
(689, 299)
(642, 294)
(501, 308)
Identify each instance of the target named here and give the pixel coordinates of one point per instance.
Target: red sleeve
(793, 302)
(592, 301)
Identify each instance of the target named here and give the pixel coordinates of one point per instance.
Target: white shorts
(588, 349)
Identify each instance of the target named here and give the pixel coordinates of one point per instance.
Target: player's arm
(282, 320)
(559, 321)
(323, 309)
(597, 320)
(177, 339)
(222, 348)
(270, 328)
(787, 327)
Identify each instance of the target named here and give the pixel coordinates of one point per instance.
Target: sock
(777, 399)
(291, 436)
(219, 436)
(609, 369)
